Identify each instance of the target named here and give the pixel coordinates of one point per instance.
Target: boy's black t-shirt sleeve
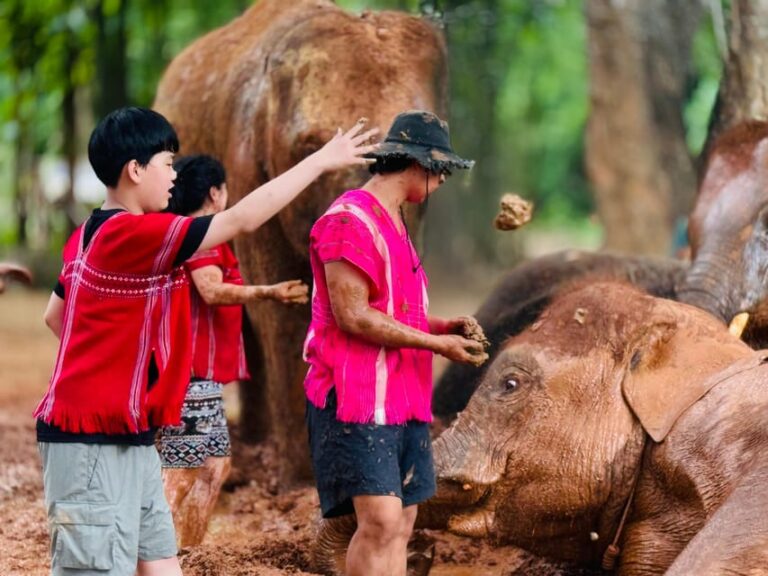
(59, 289)
(194, 237)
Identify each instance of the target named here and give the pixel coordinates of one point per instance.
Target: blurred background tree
(520, 103)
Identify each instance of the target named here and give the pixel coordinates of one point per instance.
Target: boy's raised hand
(347, 149)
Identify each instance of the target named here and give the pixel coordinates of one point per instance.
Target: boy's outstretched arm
(267, 200)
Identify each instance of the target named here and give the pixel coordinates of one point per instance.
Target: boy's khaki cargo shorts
(106, 508)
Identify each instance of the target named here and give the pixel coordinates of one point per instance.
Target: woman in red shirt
(196, 454)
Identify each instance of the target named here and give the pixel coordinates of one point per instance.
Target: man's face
(424, 183)
(157, 181)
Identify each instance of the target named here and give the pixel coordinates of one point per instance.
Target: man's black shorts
(368, 460)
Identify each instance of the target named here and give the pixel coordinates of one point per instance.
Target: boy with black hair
(121, 311)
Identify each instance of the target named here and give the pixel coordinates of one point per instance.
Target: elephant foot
(421, 554)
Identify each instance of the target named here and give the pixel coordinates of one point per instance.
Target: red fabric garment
(218, 353)
(124, 302)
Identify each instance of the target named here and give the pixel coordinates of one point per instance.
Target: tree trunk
(636, 155)
(111, 60)
(20, 192)
(69, 126)
(744, 88)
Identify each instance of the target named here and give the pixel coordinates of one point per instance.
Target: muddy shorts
(367, 460)
(106, 508)
(203, 430)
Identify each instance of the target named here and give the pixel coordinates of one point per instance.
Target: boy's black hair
(128, 134)
(391, 164)
(194, 177)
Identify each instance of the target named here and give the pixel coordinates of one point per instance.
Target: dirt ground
(255, 530)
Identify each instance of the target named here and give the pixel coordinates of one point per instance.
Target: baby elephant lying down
(618, 426)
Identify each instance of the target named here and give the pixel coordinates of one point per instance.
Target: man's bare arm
(348, 291)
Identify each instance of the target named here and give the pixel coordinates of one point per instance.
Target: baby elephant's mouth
(474, 514)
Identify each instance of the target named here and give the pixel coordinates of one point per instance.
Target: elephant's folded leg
(735, 538)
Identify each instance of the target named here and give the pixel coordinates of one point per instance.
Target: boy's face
(156, 182)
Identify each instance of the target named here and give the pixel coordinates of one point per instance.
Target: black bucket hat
(423, 137)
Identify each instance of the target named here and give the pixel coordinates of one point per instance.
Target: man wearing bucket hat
(370, 344)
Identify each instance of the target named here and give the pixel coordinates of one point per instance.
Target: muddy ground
(255, 530)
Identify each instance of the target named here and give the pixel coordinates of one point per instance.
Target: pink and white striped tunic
(374, 384)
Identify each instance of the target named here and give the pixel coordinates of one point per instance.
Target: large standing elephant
(262, 93)
(727, 231)
(615, 401)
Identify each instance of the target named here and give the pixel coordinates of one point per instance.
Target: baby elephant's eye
(511, 384)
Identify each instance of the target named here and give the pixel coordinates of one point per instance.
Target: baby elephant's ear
(663, 376)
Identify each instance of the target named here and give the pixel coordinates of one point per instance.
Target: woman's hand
(289, 292)
(347, 149)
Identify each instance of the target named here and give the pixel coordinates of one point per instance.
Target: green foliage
(543, 107)
(708, 69)
(518, 78)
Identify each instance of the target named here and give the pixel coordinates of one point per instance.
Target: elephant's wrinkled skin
(727, 275)
(529, 288)
(261, 94)
(609, 385)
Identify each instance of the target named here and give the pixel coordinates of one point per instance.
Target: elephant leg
(734, 540)
(281, 331)
(330, 550)
(254, 412)
(334, 534)
(650, 547)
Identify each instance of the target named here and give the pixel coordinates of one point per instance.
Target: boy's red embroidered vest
(124, 302)
(218, 353)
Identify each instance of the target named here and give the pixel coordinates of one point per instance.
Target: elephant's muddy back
(195, 92)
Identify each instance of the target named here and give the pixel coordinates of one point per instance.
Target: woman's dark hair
(128, 134)
(194, 177)
(391, 164)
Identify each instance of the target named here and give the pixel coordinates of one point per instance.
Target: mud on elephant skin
(608, 387)
(261, 94)
(524, 293)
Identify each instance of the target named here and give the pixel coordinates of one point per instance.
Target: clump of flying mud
(514, 212)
